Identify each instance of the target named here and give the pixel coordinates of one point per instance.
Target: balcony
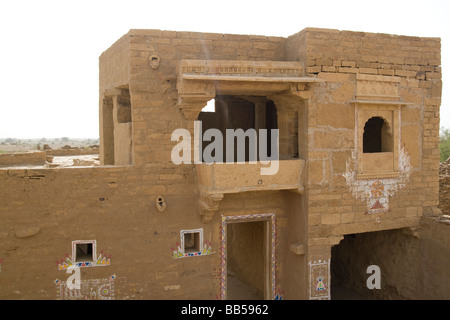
(216, 180)
(377, 165)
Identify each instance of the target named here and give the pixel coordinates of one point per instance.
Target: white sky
(49, 49)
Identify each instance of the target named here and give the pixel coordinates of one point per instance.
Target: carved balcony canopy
(201, 80)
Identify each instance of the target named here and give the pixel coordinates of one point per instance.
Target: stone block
(344, 93)
(347, 217)
(334, 139)
(346, 63)
(315, 171)
(330, 218)
(314, 69)
(410, 114)
(335, 77)
(411, 137)
(347, 70)
(339, 160)
(336, 115)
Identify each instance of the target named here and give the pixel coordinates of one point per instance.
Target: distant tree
(444, 144)
(65, 139)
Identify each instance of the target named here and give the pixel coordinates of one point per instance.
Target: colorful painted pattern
(67, 262)
(279, 294)
(93, 289)
(319, 280)
(376, 192)
(249, 217)
(179, 253)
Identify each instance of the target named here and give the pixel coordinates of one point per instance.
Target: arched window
(377, 136)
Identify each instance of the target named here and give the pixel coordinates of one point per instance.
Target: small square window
(191, 240)
(83, 251)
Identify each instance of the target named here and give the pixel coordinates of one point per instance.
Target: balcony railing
(217, 179)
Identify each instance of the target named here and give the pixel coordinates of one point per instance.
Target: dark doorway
(247, 258)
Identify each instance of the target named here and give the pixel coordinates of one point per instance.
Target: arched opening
(355, 259)
(249, 113)
(210, 106)
(377, 136)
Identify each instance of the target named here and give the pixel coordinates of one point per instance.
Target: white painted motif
(376, 191)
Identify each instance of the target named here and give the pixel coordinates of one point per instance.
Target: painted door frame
(269, 248)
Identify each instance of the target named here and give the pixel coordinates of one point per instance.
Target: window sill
(377, 175)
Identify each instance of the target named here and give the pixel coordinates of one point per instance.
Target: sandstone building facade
(357, 179)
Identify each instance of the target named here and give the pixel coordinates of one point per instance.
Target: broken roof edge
(181, 34)
(204, 35)
(362, 33)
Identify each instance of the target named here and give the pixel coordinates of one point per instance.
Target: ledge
(248, 78)
(380, 175)
(217, 179)
(381, 102)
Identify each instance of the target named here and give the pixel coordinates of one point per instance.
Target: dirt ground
(13, 145)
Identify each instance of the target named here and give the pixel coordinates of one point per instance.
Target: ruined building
(355, 182)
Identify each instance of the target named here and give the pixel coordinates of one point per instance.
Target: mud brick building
(357, 179)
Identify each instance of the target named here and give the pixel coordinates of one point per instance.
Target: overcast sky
(49, 49)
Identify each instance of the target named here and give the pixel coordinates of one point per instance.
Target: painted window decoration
(84, 254)
(92, 289)
(191, 244)
(319, 280)
(376, 191)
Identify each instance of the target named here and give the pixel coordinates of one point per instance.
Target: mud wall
(25, 158)
(44, 211)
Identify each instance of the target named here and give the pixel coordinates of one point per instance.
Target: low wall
(43, 211)
(71, 152)
(39, 157)
(31, 158)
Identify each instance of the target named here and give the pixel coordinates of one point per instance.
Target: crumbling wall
(413, 262)
(444, 187)
(393, 251)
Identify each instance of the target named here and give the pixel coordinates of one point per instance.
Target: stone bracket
(297, 248)
(209, 204)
